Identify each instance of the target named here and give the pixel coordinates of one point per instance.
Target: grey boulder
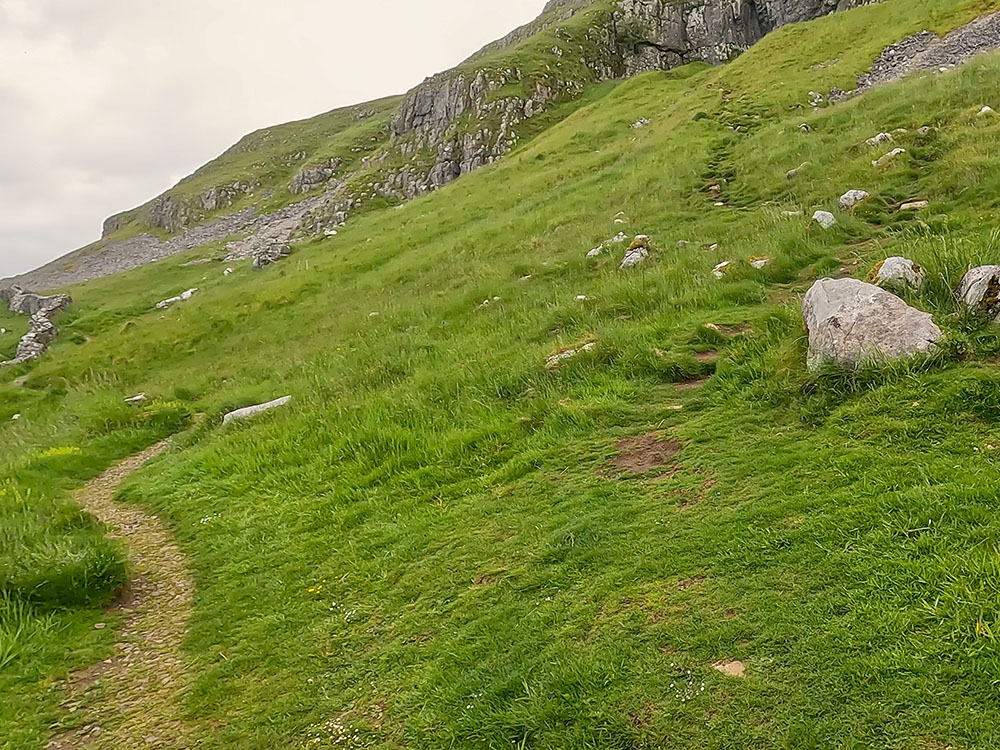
(851, 322)
(900, 272)
(980, 290)
(271, 255)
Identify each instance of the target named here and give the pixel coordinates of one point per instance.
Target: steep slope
(366, 157)
(441, 542)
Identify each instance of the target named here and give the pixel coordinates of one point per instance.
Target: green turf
(431, 547)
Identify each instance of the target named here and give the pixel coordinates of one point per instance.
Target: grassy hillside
(442, 543)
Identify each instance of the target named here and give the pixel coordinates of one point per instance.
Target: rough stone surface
(42, 331)
(852, 198)
(825, 219)
(979, 290)
(897, 271)
(637, 252)
(252, 411)
(271, 255)
(182, 297)
(850, 322)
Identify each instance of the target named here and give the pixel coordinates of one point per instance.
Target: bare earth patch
(731, 668)
(691, 384)
(132, 700)
(642, 454)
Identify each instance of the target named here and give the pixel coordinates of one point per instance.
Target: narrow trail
(133, 699)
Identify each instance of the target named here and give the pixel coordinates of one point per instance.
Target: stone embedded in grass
(914, 206)
(640, 123)
(987, 110)
(599, 250)
(979, 290)
(881, 162)
(682, 244)
(558, 358)
(804, 128)
(637, 252)
(271, 255)
(850, 322)
(825, 219)
(852, 198)
(721, 269)
(879, 139)
(252, 411)
(227, 272)
(899, 272)
(791, 174)
(182, 297)
(760, 262)
(139, 398)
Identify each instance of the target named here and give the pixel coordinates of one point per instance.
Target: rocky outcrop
(314, 176)
(851, 322)
(42, 331)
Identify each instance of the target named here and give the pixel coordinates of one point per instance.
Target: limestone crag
(664, 34)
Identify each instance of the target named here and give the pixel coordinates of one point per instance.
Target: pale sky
(104, 104)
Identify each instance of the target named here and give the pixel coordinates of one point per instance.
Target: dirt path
(133, 700)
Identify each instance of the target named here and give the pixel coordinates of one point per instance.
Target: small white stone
(852, 198)
(825, 219)
(137, 399)
(879, 139)
(720, 270)
(15, 417)
(759, 263)
(888, 157)
(987, 110)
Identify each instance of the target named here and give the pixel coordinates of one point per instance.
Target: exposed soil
(731, 668)
(640, 455)
(132, 700)
(691, 384)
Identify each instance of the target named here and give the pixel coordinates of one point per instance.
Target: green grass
(431, 548)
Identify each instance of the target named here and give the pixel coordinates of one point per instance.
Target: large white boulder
(980, 290)
(851, 322)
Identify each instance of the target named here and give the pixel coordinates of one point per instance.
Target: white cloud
(103, 103)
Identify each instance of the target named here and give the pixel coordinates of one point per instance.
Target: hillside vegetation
(442, 543)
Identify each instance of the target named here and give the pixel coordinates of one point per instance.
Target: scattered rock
(735, 668)
(850, 322)
(15, 418)
(271, 255)
(42, 331)
(914, 206)
(557, 359)
(897, 271)
(759, 263)
(616, 240)
(805, 128)
(987, 110)
(228, 272)
(582, 298)
(682, 244)
(640, 123)
(879, 139)
(721, 269)
(852, 198)
(183, 297)
(637, 252)
(252, 411)
(980, 290)
(888, 157)
(139, 398)
(825, 219)
(927, 51)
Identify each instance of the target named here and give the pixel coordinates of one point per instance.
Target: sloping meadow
(443, 543)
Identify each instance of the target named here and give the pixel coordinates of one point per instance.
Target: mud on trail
(133, 699)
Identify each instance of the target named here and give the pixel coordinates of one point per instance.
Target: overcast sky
(107, 103)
